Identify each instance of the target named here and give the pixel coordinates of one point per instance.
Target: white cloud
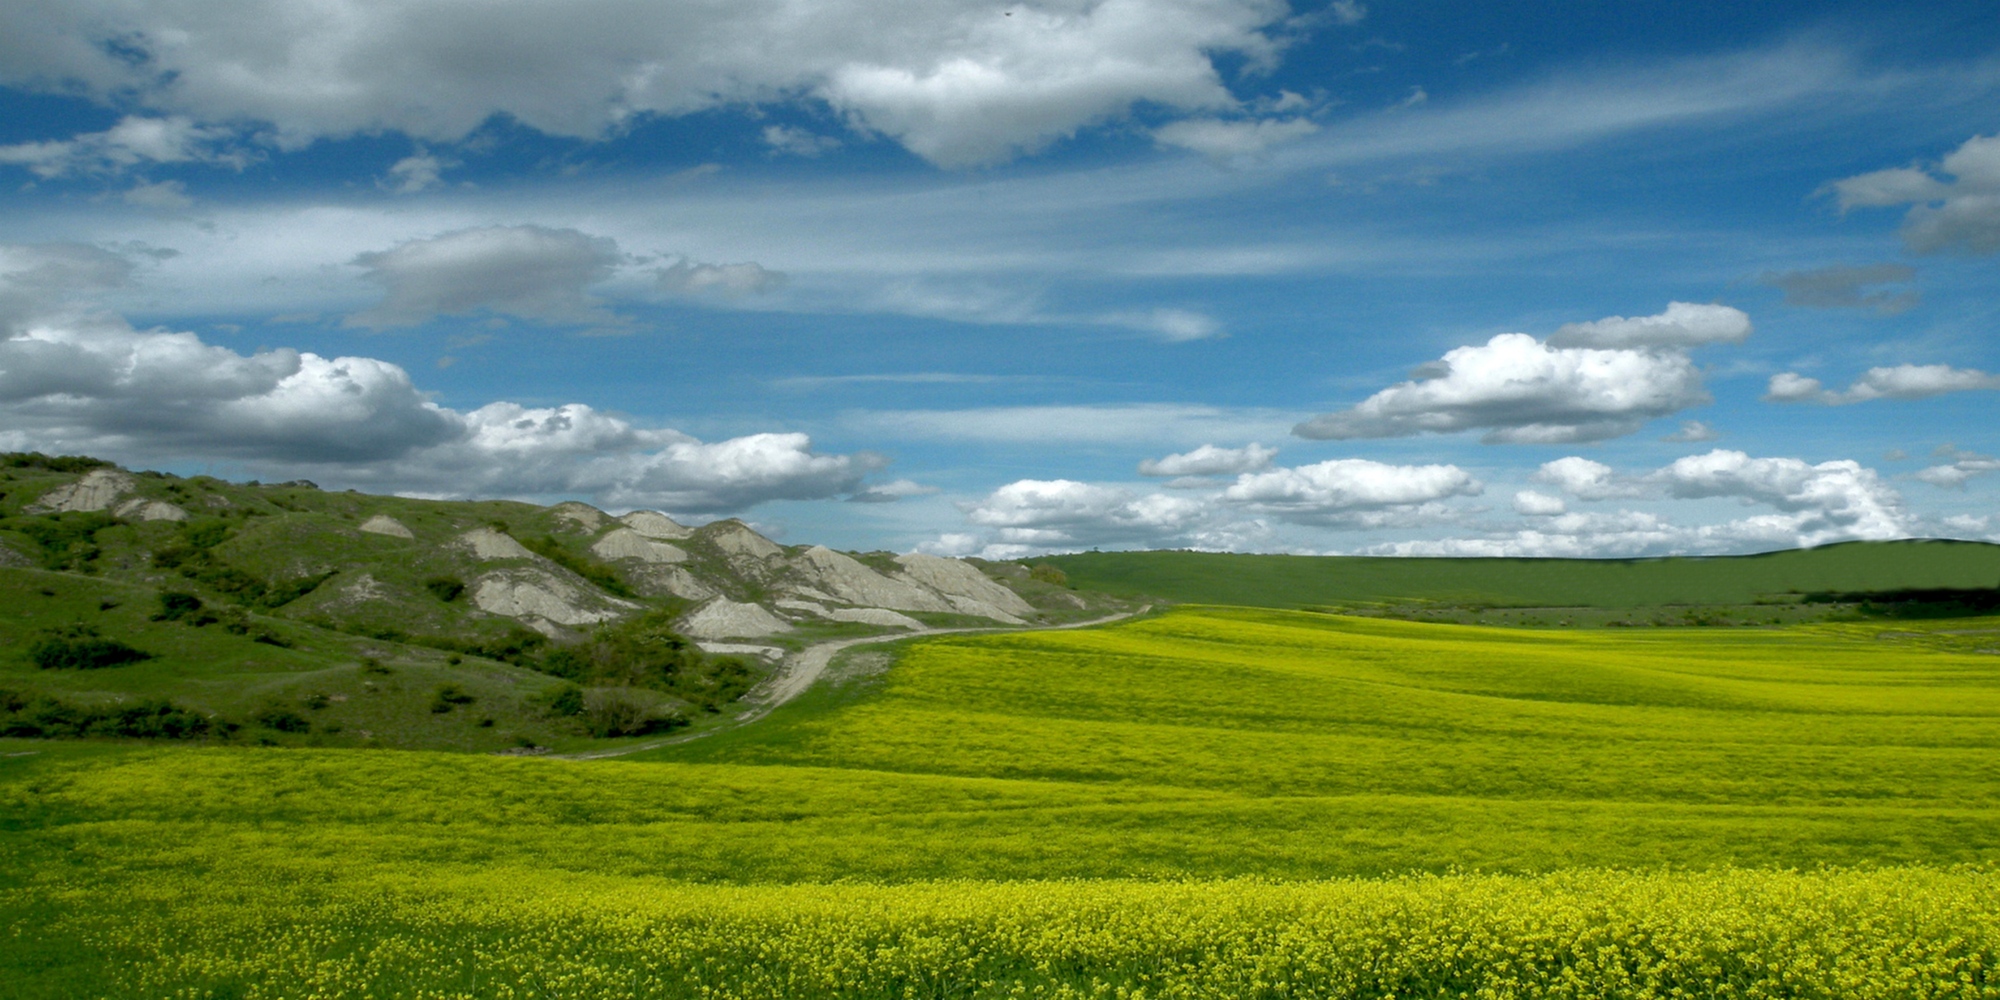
(418, 172)
(168, 195)
(526, 271)
(133, 141)
(747, 278)
(1898, 382)
(953, 80)
(1536, 504)
(798, 141)
(891, 492)
(1524, 391)
(1348, 11)
(1691, 432)
(1844, 287)
(1133, 423)
(1683, 324)
(1814, 504)
(1340, 491)
(1964, 465)
(1209, 460)
(1962, 214)
(1826, 502)
(1060, 513)
(1232, 140)
(1585, 479)
(1175, 326)
(81, 381)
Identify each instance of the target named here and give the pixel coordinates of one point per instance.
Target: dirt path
(802, 669)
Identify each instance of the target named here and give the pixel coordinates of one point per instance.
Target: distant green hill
(1280, 581)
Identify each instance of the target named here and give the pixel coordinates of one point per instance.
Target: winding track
(801, 669)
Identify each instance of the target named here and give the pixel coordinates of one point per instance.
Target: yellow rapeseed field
(1213, 803)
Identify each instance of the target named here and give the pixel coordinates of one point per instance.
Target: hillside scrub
(645, 652)
(45, 717)
(80, 647)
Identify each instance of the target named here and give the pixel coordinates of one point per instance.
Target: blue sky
(1422, 278)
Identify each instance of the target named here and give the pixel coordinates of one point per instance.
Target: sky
(1563, 278)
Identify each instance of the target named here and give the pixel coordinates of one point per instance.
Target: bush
(445, 588)
(565, 699)
(282, 719)
(79, 647)
(1049, 574)
(619, 713)
(50, 718)
(175, 606)
(68, 541)
(53, 463)
(449, 696)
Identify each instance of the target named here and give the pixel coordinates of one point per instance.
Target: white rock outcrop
(487, 543)
(851, 582)
(654, 524)
(142, 509)
(874, 616)
(625, 543)
(959, 579)
(533, 593)
(723, 618)
(736, 538)
(672, 579)
(96, 490)
(743, 648)
(383, 524)
(579, 514)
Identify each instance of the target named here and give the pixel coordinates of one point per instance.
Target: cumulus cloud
(686, 277)
(529, 272)
(1693, 431)
(73, 379)
(1825, 502)
(891, 492)
(134, 141)
(1032, 515)
(1961, 214)
(1351, 491)
(417, 172)
(1962, 466)
(1524, 391)
(1536, 504)
(1058, 513)
(1232, 140)
(1209, 460)
(1683, 324)
(1811, 504)
(1898, 382)
(1847, 287)
(1585, 479)
(954, 81)
(798, 141)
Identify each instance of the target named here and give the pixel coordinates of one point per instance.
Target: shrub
(565, 699)
(175, 606)
(1049, 574)
(68, 541)
(282, 719)
(449, 696)
(445, 588)
(619, 713)
(79, 647)
(53, 463)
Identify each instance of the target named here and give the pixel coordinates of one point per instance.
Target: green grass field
(1304, 581)
(1212, 802)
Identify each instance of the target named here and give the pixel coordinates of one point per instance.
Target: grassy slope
(1305, 581)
